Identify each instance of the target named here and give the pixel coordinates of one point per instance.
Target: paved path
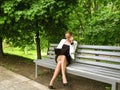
(12, 81)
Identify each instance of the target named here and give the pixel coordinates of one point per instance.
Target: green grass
(31, 54)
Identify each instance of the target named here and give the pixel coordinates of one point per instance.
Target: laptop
(57, 51)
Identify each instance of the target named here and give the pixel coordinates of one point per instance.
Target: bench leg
(118, 86)
(36, 70)
(114, 86)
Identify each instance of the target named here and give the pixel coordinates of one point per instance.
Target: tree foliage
(97, 22)
(91, 21)
(22, 20)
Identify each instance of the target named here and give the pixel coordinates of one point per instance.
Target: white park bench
(101, 63)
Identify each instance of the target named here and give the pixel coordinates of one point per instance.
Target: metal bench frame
(101, 63)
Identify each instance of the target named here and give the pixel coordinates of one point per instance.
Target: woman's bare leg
(56, 72)
(63, 68)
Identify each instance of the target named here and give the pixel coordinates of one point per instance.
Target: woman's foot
(65, 84)
(51, 87)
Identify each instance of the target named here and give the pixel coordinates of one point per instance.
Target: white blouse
(72, 47)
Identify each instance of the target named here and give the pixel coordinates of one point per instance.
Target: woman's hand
(71, 40)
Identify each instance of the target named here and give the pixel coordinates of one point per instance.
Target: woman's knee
(63, 60)
(63, 57)
(59, 62)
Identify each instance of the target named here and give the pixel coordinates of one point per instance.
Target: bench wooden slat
(99, 52)
(51, 64)
(46, 62)
(94, 47)
(86, 67)
(92, 67)
(51, 48)
(51, 56)
(99, 47)
(53, 45)
(91, 75)
(98, 58)
(99, 64)
(51, 52)
(98, 71)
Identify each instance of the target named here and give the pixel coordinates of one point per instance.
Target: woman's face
(68, 36)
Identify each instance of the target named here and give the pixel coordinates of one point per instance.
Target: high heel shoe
(51, 87)
(65, 84)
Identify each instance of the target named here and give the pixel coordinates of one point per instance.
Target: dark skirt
(68, 58)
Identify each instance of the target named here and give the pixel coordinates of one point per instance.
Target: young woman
(68, 47)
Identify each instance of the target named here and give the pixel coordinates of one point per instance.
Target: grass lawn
(31, 54)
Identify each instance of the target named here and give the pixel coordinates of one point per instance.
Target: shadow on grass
(11, 57)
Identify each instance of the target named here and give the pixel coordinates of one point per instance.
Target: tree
(96, 21)
(29, 19)
(1, 47)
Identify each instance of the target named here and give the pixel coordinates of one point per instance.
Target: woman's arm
(61, 43)
(73, 49)
(73, 46)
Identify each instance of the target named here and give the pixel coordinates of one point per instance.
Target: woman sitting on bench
(64, 58)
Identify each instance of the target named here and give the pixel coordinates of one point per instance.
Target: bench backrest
(103, 56)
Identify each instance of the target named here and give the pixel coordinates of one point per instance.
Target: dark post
(1, 47)
(38, 45)
(118, 86)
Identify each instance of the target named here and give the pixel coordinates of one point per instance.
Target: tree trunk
(89, 4)
(1, 47)
(95, 6)
(38, 45)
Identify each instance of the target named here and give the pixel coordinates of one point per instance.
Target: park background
(25, 23)
(27, 27)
